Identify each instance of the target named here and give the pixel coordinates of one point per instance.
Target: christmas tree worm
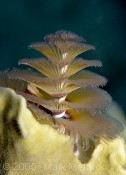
(62, 94)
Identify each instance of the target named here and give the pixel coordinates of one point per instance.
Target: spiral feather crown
(63, 95)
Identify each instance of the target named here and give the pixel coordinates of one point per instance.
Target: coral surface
(28, 147)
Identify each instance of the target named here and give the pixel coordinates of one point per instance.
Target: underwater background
(101, 22)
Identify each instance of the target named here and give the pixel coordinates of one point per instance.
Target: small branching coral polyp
(62, 94)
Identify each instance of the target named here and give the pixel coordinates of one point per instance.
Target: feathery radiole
(63, 95)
